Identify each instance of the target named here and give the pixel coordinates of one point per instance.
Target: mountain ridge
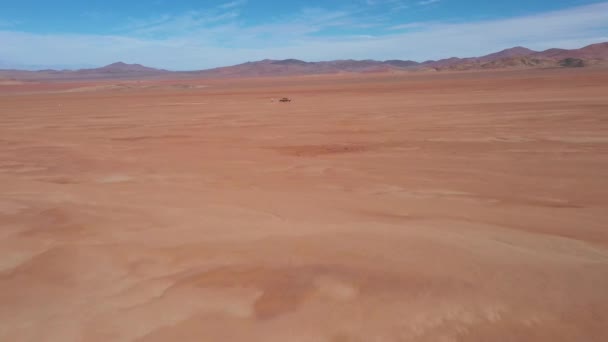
(515, 57)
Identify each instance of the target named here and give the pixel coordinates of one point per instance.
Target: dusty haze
(426, 207)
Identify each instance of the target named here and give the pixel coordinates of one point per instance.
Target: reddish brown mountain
(520, 57)
(117, 70)
(595, 51)
(517, 51)
(120, 67)
(517, 57)
(289, 67)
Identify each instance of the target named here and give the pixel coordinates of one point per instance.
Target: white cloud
(195, 40)
(427, 2)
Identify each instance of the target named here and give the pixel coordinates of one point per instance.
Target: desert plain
(382, 207)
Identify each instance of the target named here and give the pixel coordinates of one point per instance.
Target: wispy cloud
(98, 15)
(412, 26)
(196, 40)
(185, 23)
(233, 4)
(391, 5)
(173, 25)
(8, 23)
(427, 2)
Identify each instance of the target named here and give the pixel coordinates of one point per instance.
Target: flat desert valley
(377, 207)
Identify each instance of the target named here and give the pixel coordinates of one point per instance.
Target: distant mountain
(517, 57)
(290, 67)
(445, 62)
(590, 52)
(401, 64)
(289, 62)
(121, 67)
(117, 70)
(520, 57)
(517, 51)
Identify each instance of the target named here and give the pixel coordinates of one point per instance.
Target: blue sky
(188, 34)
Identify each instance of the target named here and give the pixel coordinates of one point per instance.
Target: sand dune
(426, 207)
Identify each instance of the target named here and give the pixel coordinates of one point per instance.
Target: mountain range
(517, 57)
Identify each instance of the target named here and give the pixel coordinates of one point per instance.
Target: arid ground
(413, 207)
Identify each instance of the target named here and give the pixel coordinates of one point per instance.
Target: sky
(190, 34)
